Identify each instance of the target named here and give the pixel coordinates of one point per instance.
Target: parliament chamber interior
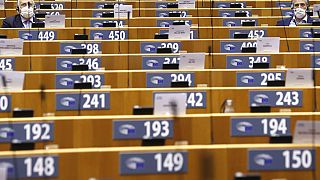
(147, 89)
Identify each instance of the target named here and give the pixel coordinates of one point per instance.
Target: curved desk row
(149, 32)
(140, 61)
(199, 161)
(115, 101)
(150, 46)
(102, 131)
(155, 21)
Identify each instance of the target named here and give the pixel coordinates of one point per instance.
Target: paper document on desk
(299, 77)
(2, 4)
(192, 61)
(179, 32)
(11, 80)
(55, 21)
(170, 103)
(11, 46)
(307, 132)
(186, 4)
(268, 45)
(122, 11)
(316, 9)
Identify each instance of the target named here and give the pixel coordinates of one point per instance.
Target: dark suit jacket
(15, 22)
(286, 21)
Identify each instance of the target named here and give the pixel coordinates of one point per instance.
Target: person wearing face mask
(300, 16)
(24, 18)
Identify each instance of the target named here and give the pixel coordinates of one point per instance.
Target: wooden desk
(124, 78)
(119, 104)
(120, 61)
(151, 4)
(36, 80)
(149, 32)
(96, 131)
(221, 126)
(114, 47)
(220, 161)
(151, 12)
(151, 21)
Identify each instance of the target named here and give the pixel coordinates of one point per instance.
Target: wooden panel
(151, 4)
(144, 97)
(137, 78)
(199, 45)
(120, 62)
(151, 12)
(205, 161)
(151, 21)
(148, 32)
(77, 132)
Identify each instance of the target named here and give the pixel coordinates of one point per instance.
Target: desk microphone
(128, 49)
(198, 21)
(4, 10)
(283, 25)
(314, 131)
(71, 12)
(139, 7)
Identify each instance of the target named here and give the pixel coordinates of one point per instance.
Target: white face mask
(299, 13)
(27, 12)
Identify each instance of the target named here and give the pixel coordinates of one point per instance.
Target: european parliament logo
(163, 14)
(100, 6)
(229, 47)
(289, 13)
(26, 36)
(98, 15)
(135, 163)
(66, 64)
(307, 34)
(98, 36)
(127, 129)
(6, 132)
(308, 47)
(282, 5)
(164, 24)
(222, 6)
(98, 24)
(263, 159)
(68, 101)
(247, 79)
(317, 61)
(226, 14)
(149, 48)
(66, 81)
(152, 63)
(68, 48)
(230, 23)
(8, 166)
(261, 98)
(157, 80)
(236, 62)
(244, 126)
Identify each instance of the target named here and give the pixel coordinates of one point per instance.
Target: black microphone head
(42, 94)
(4, 81)
(173, 105)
